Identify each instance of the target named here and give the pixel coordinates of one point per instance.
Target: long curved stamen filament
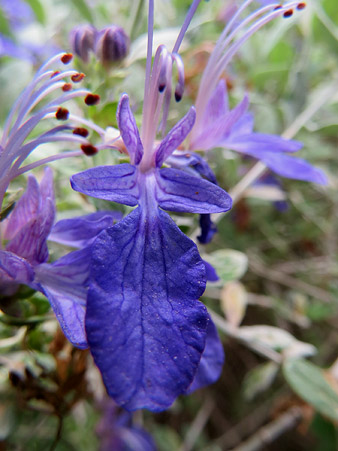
(218, 63)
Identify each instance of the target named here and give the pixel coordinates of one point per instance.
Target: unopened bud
(82, 40)
(112, 45)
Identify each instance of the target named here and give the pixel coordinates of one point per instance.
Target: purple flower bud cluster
(110, 45)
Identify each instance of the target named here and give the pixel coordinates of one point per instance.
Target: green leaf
(308, 381)
(229, 264)
(83, 9)
(38, 10)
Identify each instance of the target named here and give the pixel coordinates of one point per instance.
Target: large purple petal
(291, 167)
(178, 191)
(214, 135)
(244, 125)
(82, 231)
(218, 104)
(65, 284)
(212, 360)
(25, 210)
(129, 130)
(114, 183)
(175, 137)
(260, 142)
(145, 327)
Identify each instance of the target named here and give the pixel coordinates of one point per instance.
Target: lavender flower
(218, 126)
(145, 326)
(24, 258)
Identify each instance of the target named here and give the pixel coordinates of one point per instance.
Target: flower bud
(82, 40)
(112, 45)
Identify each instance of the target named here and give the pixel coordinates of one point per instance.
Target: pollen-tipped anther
(62, 114)
(164, 61)
(288, 13)
(89, 149)
(81, 131)
(76, 78)
(179, 89)
(92, 99)
(301, 5)
(67, 87)
(66, 58)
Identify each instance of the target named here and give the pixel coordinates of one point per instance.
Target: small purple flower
(145, 327)
(233, 129)
(218, 126)
(24, 258)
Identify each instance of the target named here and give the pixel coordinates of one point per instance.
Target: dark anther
(92, 99)
(67, 87)
(76, 78)
(301, 5)
(62, 114)
(81, 131)
(89, 149)
(161, 88)
(178, 97)
(66, 58)
(277, 7)
(288, 13)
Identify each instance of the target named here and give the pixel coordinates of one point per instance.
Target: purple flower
(218, 126)
(233, 129)
(24, 258)
(145, 327)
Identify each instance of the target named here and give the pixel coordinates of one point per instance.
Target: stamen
(67, 87)
(55, 73)
(277, 7)
(89, 149)
(92, 99)
(76, 78)
(164, 61)
(62, 114)
(81, 131)
(179, 89)
(66, 58)
(288, 13)
(301, 6)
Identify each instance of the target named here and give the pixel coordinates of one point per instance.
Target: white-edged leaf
(276, 339)
(229, 264)
(310, 384)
